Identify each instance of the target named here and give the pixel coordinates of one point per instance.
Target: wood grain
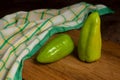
(71, 68)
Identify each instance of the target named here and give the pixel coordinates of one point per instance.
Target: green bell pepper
(56, 49)
(89, 44)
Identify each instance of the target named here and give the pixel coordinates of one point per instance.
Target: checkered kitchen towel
(23, 33)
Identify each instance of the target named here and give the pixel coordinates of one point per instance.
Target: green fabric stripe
(42, 15)
(11, 51)
(10, 24)
(2, 65)
(14, 49)
(23, 33)
(5, 41)
(10, 54)
(72, 11)
(38, 28)
(8, 57)
(51, 21)
(105, 11)
(2, 35)
(64, 18)
(26, 19)
(81, 12)
(14, 35)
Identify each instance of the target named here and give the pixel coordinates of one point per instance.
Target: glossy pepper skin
(56, 49)
(89, 44)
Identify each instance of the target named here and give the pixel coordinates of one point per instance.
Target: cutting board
(71, 68)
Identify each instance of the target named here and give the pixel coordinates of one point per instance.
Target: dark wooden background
(110, 23)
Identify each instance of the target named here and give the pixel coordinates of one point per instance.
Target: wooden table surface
(71, 68)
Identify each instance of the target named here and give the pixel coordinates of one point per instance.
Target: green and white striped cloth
(22, 33)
